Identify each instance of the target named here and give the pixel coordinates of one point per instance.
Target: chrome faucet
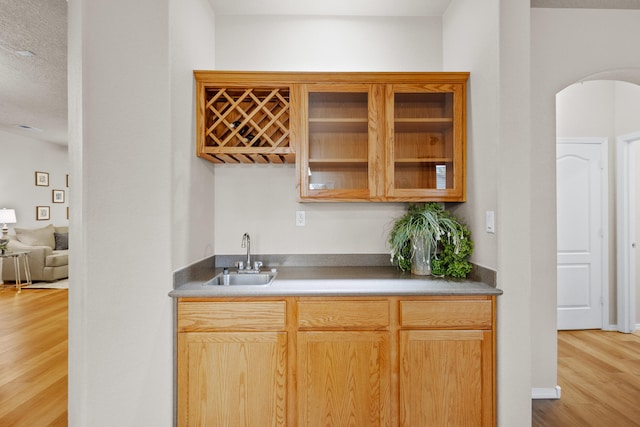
(245, 266)
(246, 243)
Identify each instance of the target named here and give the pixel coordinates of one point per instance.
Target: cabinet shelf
(423, 125)
(424, 160)
(338, 125)
(338, 161)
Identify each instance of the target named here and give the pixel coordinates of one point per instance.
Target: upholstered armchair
(48, 253)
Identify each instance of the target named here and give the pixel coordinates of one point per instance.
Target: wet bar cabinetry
(353, 136)
(335, 361)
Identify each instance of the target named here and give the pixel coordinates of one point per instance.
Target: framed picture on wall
(57, 196)
(42, 179)
(43, 213)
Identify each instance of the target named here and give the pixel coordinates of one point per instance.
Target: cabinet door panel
(446, 378)
(425, 142)
(343, 379)
(232, 379)
(339, 142)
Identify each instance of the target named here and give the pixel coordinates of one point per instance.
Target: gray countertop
(337, 281)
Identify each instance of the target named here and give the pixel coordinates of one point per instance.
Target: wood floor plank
(33, 357)
(599, 373)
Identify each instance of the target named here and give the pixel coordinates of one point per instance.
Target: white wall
(567, 45)
(495, 51)
(261, 200)
(471, 43)
(328, 43)
(120, 317)
(20, 158)
(192, 48)
(491, 40)
(514, 181)
(586, 109)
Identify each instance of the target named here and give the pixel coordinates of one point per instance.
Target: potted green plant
(430, 240)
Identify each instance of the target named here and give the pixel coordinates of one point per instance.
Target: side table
(17, 256)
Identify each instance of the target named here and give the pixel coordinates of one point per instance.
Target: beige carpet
(60, 284)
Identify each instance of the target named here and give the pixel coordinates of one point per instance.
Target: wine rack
(246, 125)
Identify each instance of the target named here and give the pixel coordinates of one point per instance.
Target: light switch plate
(491, 222)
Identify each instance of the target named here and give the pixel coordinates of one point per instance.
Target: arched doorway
(604, 109)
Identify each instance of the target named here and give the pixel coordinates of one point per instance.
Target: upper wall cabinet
(384, 137)
(354, 136)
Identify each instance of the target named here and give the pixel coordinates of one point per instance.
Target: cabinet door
(232, 379)
(339, 155)
(425, 142)
(446, 378)
(343, 379)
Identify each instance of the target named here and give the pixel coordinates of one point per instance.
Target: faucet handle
(240, 265)
(257, 265)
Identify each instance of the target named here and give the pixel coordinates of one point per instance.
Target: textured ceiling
(33, 90)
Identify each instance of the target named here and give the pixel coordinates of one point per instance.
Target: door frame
(626, 230)
(604, 231)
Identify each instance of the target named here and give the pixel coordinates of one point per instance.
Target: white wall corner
(546, 393)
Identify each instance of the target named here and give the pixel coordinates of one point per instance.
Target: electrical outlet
(300, 218)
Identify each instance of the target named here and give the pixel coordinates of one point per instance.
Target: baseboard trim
(546, 393)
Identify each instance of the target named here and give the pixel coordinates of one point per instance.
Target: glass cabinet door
(339, 142)
(426, 156)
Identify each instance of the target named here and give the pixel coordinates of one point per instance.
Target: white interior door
(580, 202)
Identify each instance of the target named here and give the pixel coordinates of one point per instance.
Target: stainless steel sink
(242, 279)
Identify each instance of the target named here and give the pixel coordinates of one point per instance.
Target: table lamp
(7, 216)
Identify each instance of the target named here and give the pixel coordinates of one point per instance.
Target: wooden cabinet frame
(408, 142)
(413, 352)
(268, 117)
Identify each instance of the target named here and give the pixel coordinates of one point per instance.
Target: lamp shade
(7, 216)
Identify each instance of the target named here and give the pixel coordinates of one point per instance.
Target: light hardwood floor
(599, 373)
(33, 357)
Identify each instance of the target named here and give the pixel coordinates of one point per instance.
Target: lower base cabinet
(337, 361)
(343, 378)
(233, 379)
(441, 378)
